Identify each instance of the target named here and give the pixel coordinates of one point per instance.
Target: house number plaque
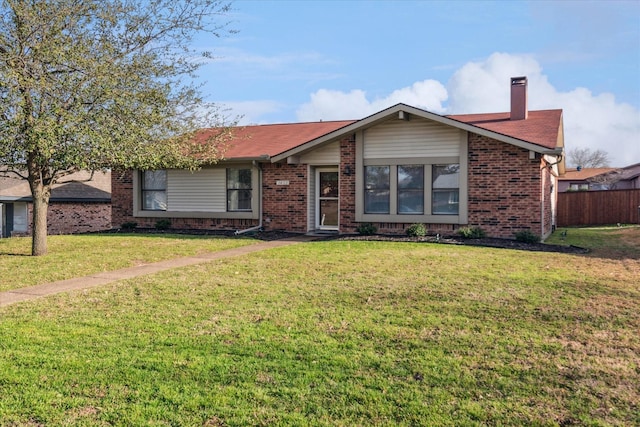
(282, 182)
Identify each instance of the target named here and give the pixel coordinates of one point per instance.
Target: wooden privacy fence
(598, 207)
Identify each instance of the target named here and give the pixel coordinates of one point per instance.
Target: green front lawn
(81, 255)
(335, 333)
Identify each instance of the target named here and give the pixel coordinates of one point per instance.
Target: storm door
(327, 199)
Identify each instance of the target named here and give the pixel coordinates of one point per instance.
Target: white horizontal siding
(200, 191)
(411, 139)
(311, 209)
(325, 155)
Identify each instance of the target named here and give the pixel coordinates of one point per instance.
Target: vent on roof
(519, 109)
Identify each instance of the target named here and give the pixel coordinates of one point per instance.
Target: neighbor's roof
(572, 174)
(80, 186)
(541, 131)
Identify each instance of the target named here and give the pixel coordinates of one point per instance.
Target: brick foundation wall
(504, 188)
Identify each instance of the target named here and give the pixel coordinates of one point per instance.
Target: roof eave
(260, 158)
(11, 199)
(385, 114)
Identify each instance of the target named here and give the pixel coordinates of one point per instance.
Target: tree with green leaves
(102, 84)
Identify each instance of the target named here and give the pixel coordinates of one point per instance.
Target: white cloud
(594, 121)
(335, 105)
(483, 87)
(590, 121)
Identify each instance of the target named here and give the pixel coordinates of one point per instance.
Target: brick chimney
(519, 109)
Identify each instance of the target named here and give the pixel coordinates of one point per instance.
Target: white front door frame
(327, 220)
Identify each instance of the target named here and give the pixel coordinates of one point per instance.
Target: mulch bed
(450, 240)
(486, 242)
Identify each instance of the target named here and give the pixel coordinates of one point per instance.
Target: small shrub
(367, 229)
(417, 230)
(163, 224)
(129, 225)
(527, 236)
(471, 232)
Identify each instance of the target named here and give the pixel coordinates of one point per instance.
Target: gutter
(259, 226)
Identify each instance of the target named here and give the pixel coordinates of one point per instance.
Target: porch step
(323, 233)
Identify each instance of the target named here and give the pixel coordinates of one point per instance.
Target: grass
(80, 255)
(616, 242)
(337, 333)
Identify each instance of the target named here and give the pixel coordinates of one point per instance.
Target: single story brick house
(400, 166)
(80, 203)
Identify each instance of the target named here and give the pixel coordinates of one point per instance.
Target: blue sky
(325, 60)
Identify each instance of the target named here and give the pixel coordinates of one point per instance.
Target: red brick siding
(121, 198)
(73, 218)
(348, 222)
(504, 188)
(69, 218)
(285, 206)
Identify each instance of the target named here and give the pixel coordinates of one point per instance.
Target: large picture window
(154, 190)
(238, 190)
(377, 189)
(445, 198)
(411, 189)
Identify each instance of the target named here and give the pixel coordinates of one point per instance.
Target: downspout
(553, 196)
(543, 199)
(259, 226)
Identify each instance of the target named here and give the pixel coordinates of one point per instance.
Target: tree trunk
(39, 228)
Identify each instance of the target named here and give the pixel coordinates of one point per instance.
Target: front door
(327, 199)
(8, 220)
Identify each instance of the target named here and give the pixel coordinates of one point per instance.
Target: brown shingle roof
(269, 140)
(540, 128)
(74, 187)
(585, 173)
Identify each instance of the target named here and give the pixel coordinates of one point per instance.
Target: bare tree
(586, 158)
(607, 181)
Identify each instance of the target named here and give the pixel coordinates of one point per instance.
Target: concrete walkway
(97, 279)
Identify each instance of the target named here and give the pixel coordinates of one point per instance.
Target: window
(238, 190)
(20, 220)
(445, 196)
(578, 187)
(377, 189)
(154, 190)
(411, 189)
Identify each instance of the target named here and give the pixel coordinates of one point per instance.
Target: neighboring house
(400, 166)
(81, 202)
(595, 179)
